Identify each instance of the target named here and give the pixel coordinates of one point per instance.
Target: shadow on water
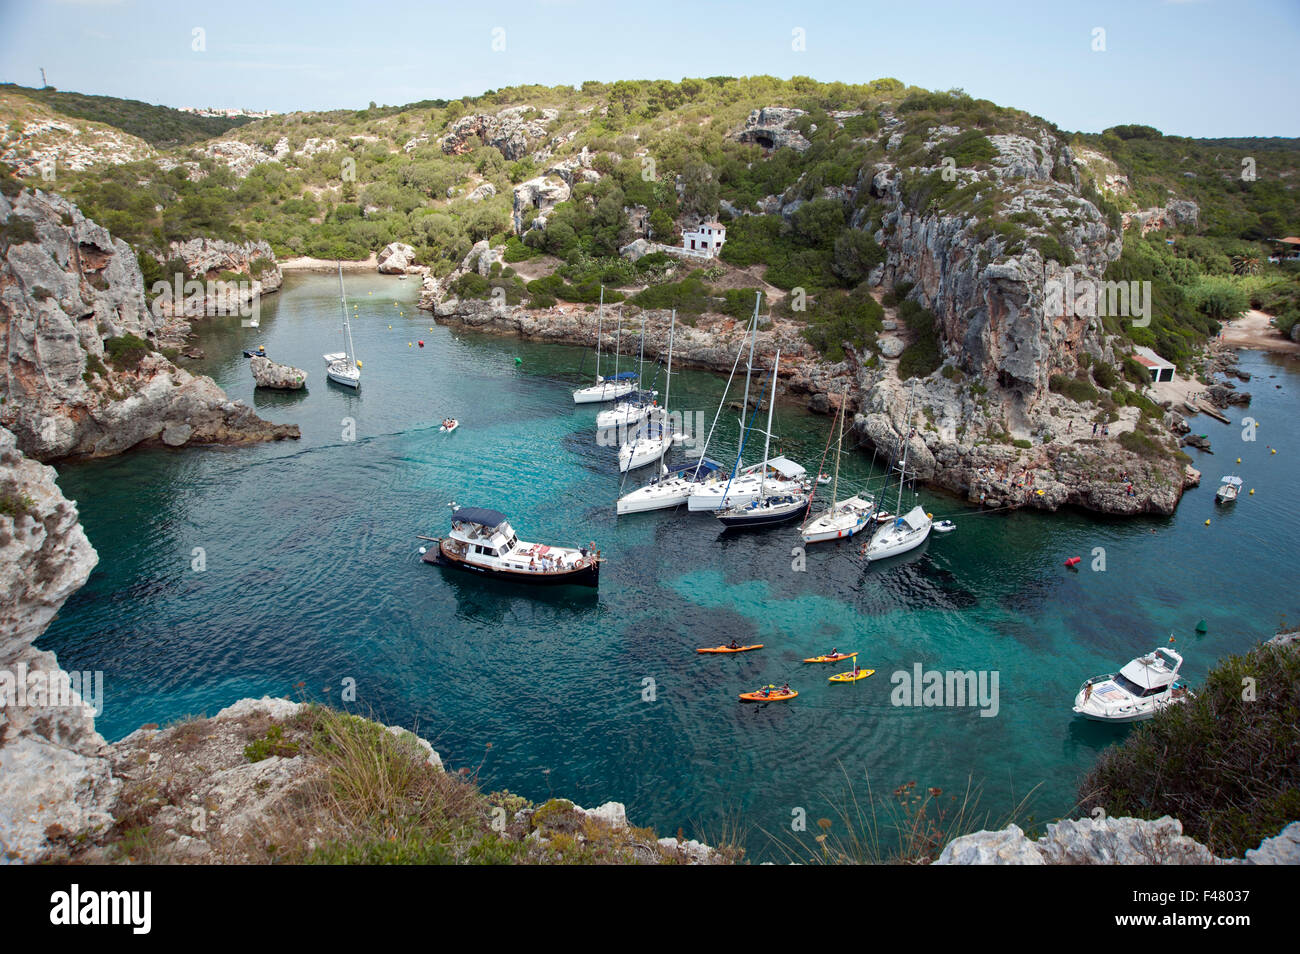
(494, 600)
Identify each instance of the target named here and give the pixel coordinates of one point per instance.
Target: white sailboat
(843, 518)
(342, 367)
(652, 439)
(910, 530)
(606, 389)
(767, 508)
(624, 416)
(742, 486)
(674, 488)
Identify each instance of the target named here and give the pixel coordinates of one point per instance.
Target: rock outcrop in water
(82, 377)
(280, 377)
(55, 774)
(233, 275)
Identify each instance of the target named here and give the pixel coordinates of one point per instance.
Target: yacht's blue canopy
(623, 376)
(479, 515)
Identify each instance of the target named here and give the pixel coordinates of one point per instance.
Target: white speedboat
(449, 425)
(777, 476)
(901, 535)
(1142, 688)
(944, 526)
(342, 367)
(1229, 489)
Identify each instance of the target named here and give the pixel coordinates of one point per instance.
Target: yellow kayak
(853, 675)
(836, 658)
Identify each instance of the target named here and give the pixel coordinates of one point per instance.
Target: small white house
(705, 239)
(1161, 370)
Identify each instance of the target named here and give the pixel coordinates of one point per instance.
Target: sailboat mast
(347, 326)
(749, 370)
(668, 383)
(600, 321)
(767, 438)
(907, 446)
(618, 342)
(839, 449)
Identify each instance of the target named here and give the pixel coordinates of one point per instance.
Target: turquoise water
(313, 577)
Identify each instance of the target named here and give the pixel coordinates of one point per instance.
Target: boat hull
(588, 575)
(602, 392)
(741, 520)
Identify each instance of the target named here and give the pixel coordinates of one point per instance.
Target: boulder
(281, 377)
(396, 258)
(890, 347)
(768, 128)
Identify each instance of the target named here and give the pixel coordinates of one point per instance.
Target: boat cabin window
(1129, 685)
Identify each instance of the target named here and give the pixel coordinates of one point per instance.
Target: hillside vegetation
(160, 126)
(440, 175)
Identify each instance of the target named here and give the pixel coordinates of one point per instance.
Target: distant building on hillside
(1285, 249)
(1161, 370)
(705, 240)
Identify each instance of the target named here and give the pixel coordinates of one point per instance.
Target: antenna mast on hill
(43, 83)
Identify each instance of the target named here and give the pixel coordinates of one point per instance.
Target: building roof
(1148, 358)
(1289, 240)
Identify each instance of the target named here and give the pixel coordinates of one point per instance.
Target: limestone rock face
(268, 374)
(207, 260)
(1177, 213)
(46, 145)
(511, 131)
(1109, 841)
(542, 194)
(64, 298)
(768, 127)
(396, 258)
(55, 777)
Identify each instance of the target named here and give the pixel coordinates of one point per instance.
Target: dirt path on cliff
(1254, 331)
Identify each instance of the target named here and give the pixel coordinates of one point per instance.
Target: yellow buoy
(1238, 460)
(358, 364)
(1273, 451)
(1207, 523)
(1252, 491)
(390, 327)
(409, 345)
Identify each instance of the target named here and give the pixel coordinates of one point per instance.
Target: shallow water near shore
(313, 577)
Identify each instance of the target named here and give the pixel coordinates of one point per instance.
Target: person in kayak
(834, 653)
(733, 644)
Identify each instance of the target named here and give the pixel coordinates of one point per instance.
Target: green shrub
(125, 352)
(1076, 389)
(1143, 445)
(273, 743)
(17, 230)
(923, 356)
(1105, 375)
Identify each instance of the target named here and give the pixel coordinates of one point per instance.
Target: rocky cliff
(231, 277)
(81, 376)
(55, 775)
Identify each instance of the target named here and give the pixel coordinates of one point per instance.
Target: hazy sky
(1188, 67)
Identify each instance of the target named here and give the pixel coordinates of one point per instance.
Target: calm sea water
(313, 577)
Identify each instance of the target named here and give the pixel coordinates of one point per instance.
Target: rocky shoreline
(86, 376)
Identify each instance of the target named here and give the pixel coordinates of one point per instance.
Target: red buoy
(1074, 561)
(421, 344)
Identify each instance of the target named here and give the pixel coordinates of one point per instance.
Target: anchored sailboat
(766, 508)
(742, 486)
(606, 389)
(651, 441)
(342, 367)
(911, 529)
(842, 518)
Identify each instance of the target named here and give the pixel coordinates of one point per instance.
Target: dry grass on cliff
(912, 828)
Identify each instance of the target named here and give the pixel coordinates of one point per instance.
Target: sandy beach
(1254, 331)
(304, 263)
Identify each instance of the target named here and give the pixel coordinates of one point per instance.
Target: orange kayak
(851, 675)
(768, 694)
(836, 658)
(728, 649)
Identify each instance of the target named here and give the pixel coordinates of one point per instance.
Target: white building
(1161, 370)
(704, 240)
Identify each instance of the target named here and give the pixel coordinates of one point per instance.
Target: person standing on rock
(1094, 428)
